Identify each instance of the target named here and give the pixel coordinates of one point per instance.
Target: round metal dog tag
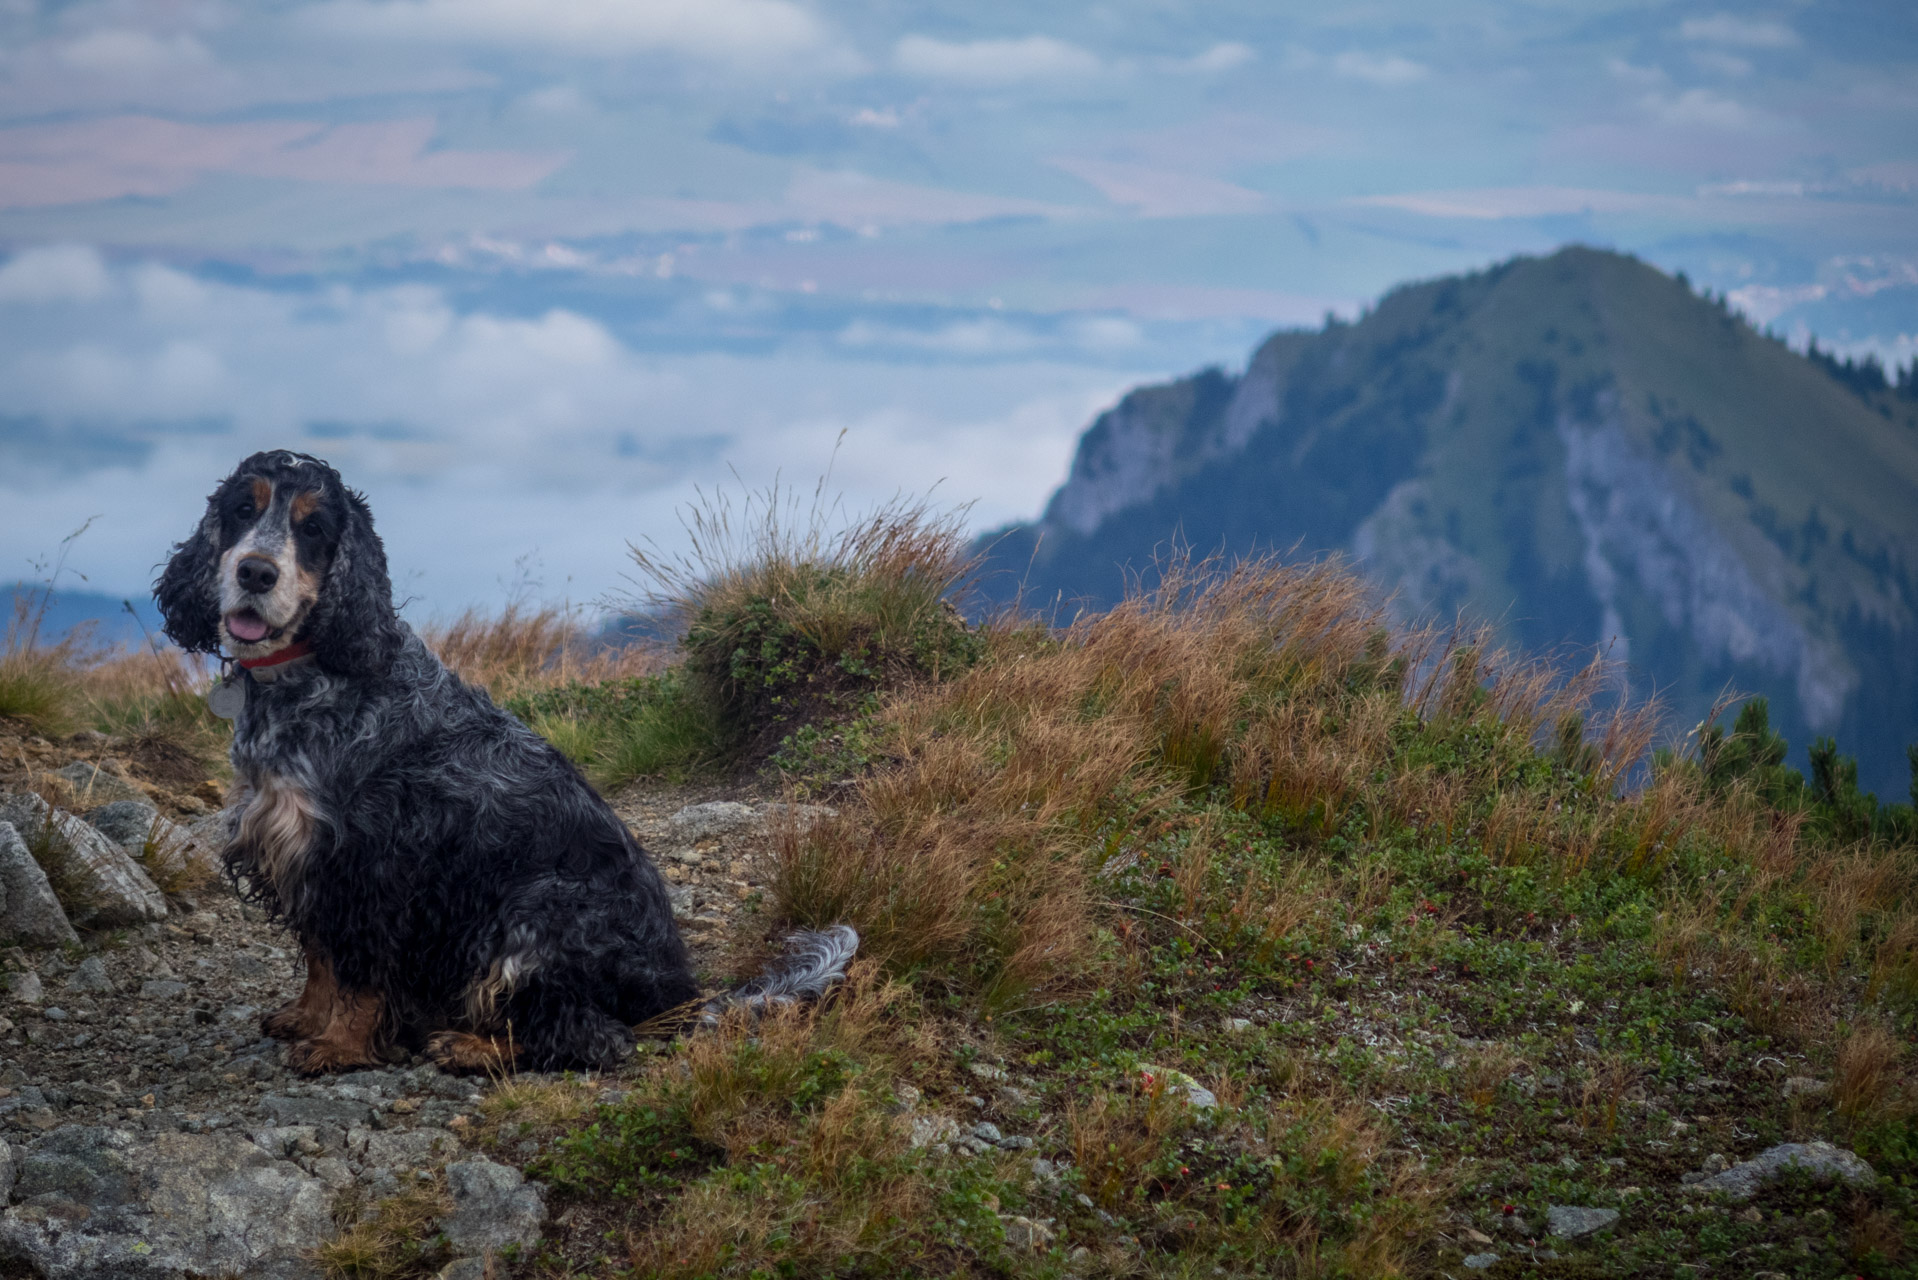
(226, 699)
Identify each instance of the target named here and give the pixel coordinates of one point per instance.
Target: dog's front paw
(321, 1054)
(462, 1051)
(294, 1020)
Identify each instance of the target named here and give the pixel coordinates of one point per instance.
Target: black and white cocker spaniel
(454, 883)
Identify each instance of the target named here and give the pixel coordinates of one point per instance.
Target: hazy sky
(529, 271)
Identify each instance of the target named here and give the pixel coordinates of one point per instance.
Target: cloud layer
(132, 389)
(72, 163)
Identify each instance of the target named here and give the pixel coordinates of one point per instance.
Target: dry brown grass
(800, 1096)
(1894, 961)
(1605, 1088)
(1482, 1071)
(540, 1101)
(521, 650)
(1868, 1076)
(172, 863)
(154, 697)
(392, 1239)
(975, 854)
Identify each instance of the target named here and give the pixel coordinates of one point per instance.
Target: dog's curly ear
(354, 629)
(188, 590)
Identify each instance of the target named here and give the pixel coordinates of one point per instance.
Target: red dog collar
(298, 649)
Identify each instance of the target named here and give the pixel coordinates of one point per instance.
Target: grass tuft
(793, 612)
(390, 1239)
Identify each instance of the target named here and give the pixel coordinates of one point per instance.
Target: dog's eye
(244, 511)
(312, 528)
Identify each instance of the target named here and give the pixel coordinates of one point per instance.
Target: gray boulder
(707, 821)
(115, 888)
(25, 812)
(94, 1202)
(344, 1112)
(401, 1149)
(212, 832)
(493, 1206)
(107, 886)
(98, 786)
(29, 912)
(138, 829)
(1822, 1160)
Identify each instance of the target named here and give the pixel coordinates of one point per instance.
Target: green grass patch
(624, 729)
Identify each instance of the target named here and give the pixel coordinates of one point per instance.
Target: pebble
(1180, 1085)
(1572, 1221)
(1480, 1261)
(929, 1130)
(1029, 1234)
(90, 975)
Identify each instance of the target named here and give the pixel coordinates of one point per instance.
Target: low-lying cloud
(992, 62)
(483, 436)
(738, 31)
(68, 163)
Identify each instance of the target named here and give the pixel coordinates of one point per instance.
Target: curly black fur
(452, 850)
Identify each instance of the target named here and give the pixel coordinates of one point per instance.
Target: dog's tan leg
(350, 1040)
(313, 1012)
(464, 1051)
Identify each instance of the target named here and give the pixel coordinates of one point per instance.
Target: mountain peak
(1577, 446)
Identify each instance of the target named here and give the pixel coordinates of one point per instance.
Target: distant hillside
(69, 609)
(1577, 447)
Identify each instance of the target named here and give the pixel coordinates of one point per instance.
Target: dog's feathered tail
(814, 962)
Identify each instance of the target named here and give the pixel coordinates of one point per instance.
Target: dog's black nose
(256, 574)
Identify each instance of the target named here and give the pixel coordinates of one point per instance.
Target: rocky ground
(151, 1130)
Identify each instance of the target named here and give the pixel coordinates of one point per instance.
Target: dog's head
(285, 553)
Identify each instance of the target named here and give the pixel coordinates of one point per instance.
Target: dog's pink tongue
(246, 626)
